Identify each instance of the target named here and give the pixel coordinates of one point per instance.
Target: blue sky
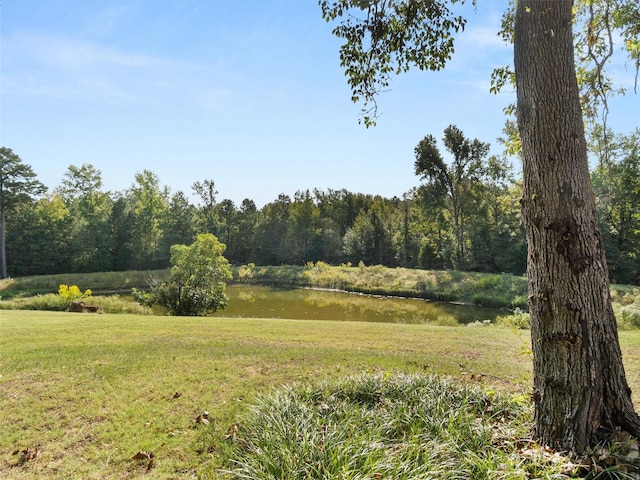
(248, 93)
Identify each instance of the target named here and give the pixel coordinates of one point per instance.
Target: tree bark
(580, 389)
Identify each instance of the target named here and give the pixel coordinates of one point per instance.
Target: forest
(463, 214)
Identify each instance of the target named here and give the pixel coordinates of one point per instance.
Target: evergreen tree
(18, 184)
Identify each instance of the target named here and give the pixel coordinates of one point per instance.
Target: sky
(247, 93)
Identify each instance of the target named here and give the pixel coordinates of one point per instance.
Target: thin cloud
(481, 42)
(67, 68)
(75, 53)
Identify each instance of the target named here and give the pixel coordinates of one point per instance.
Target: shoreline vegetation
(502, 291)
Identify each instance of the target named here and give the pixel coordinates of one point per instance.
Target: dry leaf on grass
(203, 418)
(232, 432)
(142, 456)
(26, 454)
(148, 457)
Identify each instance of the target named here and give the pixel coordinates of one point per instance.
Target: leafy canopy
(17, 180)
(383, 37)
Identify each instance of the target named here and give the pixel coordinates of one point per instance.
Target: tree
(617, 186)
(196, 284)
(17, 185)
(305, 228)
(228, 231)
(461, 198)
(247, 231)
(458, 186)
(580, 389)
(50, 230)
(37, 236)
(342, 206)
(272, 232)
(370, 239)
(149, 205)
(179, 224)
(122, 234)
(207, 192)
(90, 209)
(498, 241)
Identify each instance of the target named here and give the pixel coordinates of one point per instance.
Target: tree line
(464, 214)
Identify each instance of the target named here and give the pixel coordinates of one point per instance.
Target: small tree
(196, 284)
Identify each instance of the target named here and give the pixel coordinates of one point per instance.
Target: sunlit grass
(90, 391)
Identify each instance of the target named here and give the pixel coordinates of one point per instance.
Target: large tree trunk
(580, 389)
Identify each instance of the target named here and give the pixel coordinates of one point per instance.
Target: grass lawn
(88, 392)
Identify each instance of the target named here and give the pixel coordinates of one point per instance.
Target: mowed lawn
(87, 392)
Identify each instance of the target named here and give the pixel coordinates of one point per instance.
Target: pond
(307, 304)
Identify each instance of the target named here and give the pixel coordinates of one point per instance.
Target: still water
(305, 304)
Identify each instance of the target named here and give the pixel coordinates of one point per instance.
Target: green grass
(90, 391)
(87, 392)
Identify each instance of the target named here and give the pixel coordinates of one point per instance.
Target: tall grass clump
(518, 319)
(279, 276)
(58, 303)
(627, 309)
(386, 426)
(50, 302)
(101, 282)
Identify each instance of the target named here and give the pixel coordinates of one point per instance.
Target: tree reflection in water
(306, 304)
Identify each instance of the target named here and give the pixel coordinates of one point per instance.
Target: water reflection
(306, 304)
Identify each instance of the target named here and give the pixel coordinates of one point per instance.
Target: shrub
(490, 282)
(49, 301)
(196, 284)
(245, 272)
(518, 319)
(6, 283)
(70, 294)
(53, 302)
(627, 310)
(630, 316)
(491, 301)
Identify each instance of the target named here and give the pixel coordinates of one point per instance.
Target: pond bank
(468, 288)
(480, 289)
